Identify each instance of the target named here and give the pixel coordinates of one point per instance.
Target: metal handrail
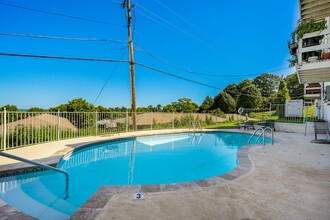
(42, 166)
(254, 134)
(262, 129)
(192, 126)
(272, 133)
(200, 126)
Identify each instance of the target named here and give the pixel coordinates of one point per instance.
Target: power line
(176, 76)
(191, 36)
(60, 14)
(61, 38)
(189, 80)
(123, 61)
(62, 57)
(106, 82)
(203, 74)
(177, 15)
(105, 60)
(171, 26)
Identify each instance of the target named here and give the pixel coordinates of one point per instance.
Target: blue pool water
(144, 160)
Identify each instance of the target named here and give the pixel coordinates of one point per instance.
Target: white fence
(19, 128)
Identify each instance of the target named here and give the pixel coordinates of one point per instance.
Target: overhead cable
(105, 60)
(123, 61)
(176, 76)
(106, 82)
(200, 73)
(62, 57)
(61, 38)
(60, 14)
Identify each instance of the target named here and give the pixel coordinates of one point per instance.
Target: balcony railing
(311, 51)
(314, 56)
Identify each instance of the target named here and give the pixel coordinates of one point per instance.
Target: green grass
(261, 116)
(233, 124)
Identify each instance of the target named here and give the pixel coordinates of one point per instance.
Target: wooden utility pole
(127, 4)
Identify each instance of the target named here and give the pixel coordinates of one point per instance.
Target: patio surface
(288, 180)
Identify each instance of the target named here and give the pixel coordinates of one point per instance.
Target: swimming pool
(143, 160)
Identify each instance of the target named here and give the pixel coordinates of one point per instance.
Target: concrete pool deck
(288, 180)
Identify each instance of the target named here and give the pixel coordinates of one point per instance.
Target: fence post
(216, 120)
(96, 122)
(172, 120)
(152, 117)
(58, 124)
(306, 118)
(126, 120)
(4, 129)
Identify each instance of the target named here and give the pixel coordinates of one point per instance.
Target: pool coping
(94, 205)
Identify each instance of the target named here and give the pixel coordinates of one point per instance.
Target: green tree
(120, 109)
(206, 105)
(243, 84)
(186, 105)
(250, 98)
(283, 93)
(150, 108)
(225, 102)
(233, 89)
(296, 90)
(80, 105)
(142, 109)
(170, 107)
(10, 108)
(35, 109)
(62, 108)
(159, 108)
(267, 84)
(100, 108)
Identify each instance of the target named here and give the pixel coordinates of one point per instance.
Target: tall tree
(296, 90)
(183, 105)
(233, 89)
(62, 108)
(170, 107)
(10, 108)
(35, 109)
(243, 84)
(225, 102)
(283, 93)
(206, 105)
(250, 98)
(80, 105)
(100, 108)
(186, 105)
(267, 84)
(159, 108)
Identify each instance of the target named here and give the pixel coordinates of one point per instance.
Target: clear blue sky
(223, 38)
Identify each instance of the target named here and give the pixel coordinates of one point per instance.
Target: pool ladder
(262, 133)
(44, 166)
(196, 129)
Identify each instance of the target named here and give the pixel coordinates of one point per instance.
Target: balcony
(312, 91)
(314, 56)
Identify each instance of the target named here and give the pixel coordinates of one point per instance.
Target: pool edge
(93, 207)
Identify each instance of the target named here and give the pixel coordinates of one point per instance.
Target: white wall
(326, 111)
(294, 127)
